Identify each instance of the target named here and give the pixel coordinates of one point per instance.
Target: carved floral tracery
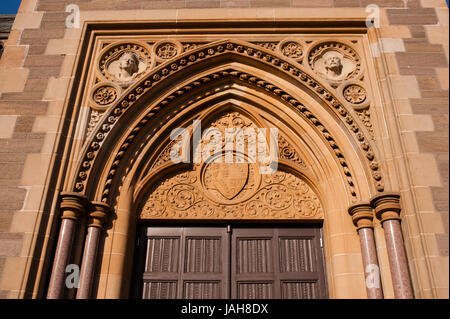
(281, 195)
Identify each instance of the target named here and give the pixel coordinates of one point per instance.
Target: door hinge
(228, 229)
(321, 242)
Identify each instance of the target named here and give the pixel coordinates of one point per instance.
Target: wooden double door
(231, 262)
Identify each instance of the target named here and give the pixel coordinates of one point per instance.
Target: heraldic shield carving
(231, 178)
(230, 190)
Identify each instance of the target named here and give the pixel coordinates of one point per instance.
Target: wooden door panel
(159, 290)
(254, 255)
(194, 262)
(205, 289)
(299, 290)
(201, 255)
(277, 263)
(162, 263)
(253, 266)
(186, 262)
(205, 265)
(254, 290)
(296, 254)
(163, 254)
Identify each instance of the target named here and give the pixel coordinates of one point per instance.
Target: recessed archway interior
(304, 159)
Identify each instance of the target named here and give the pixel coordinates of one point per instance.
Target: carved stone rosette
(355, 93)
(166, 49)
(103, 95)
(292, 49)
(124, 62)
(288, 152)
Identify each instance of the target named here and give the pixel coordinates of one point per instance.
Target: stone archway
(114, 168)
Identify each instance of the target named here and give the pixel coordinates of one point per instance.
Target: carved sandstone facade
(339, 165)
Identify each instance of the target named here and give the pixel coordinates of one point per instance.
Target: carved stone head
(128, 66)
(333, 63)
(124, 62)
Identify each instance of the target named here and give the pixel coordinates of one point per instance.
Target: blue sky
(9, 6)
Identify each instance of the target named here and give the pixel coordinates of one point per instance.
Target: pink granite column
(98, 217)
(363, 219)
(387, 209)
(72, 208)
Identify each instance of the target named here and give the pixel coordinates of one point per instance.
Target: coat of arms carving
(230, 178)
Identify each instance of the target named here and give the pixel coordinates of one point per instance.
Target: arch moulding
(226, 52)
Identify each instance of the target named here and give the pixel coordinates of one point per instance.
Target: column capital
(362, 215)
(99, 214)
(73, 205)
(387, 206)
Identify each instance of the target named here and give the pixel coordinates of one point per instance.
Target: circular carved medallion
(355, 94)
(124, 63)
(335, 61)
(292, 49)
(166, 50)
(103, 95)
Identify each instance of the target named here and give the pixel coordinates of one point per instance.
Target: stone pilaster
(362, 216)
(387, 209)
